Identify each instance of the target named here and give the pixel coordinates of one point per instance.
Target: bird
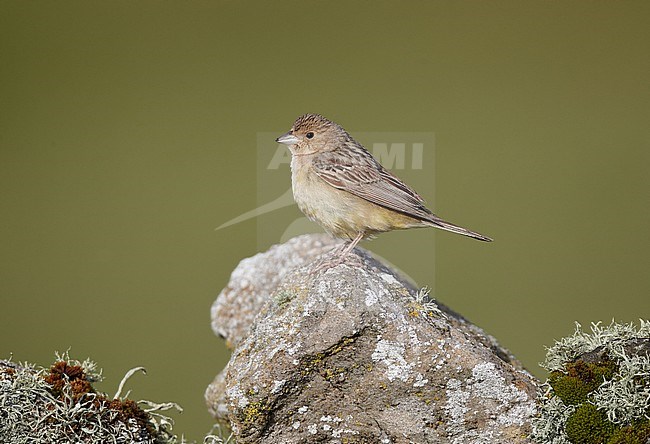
(338, 184)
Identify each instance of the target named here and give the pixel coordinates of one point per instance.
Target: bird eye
(310, 135)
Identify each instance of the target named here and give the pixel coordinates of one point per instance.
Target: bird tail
(444, 225)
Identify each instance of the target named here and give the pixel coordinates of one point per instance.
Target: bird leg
(338, 255)
(351, 245)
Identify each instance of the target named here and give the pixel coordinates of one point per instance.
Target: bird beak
(287, 139)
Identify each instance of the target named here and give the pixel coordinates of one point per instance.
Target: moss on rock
(588, 425)
(580, 379)
(638, 433)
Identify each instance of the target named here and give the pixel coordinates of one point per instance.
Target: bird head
(313, 133)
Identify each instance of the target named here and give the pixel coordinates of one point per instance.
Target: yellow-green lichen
(340, 346)
(330, 374)
(282, 297)
(312, 364)
(316, 361)
(252, 412)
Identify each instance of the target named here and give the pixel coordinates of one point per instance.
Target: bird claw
(337, 256)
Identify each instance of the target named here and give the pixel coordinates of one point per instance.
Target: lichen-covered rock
(598, 391)
(253, 281)
(59, 405)
(353, 353)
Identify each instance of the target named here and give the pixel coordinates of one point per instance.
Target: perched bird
(338, 184)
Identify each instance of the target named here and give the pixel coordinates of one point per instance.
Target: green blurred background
(128, 133)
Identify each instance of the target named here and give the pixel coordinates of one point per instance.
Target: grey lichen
(548, 428)
(219, 435)
(422, 304)
(489, 389)
(599, 388)
(59, 404)
(611, 336)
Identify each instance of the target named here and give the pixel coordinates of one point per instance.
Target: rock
(354, 353)
(255, 278)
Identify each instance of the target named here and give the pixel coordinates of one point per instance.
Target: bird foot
(336, 257)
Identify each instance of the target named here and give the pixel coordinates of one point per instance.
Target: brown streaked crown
(313, 122)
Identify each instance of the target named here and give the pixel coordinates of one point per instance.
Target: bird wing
(355, 170)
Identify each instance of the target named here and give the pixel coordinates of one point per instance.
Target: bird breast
(340, 213)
